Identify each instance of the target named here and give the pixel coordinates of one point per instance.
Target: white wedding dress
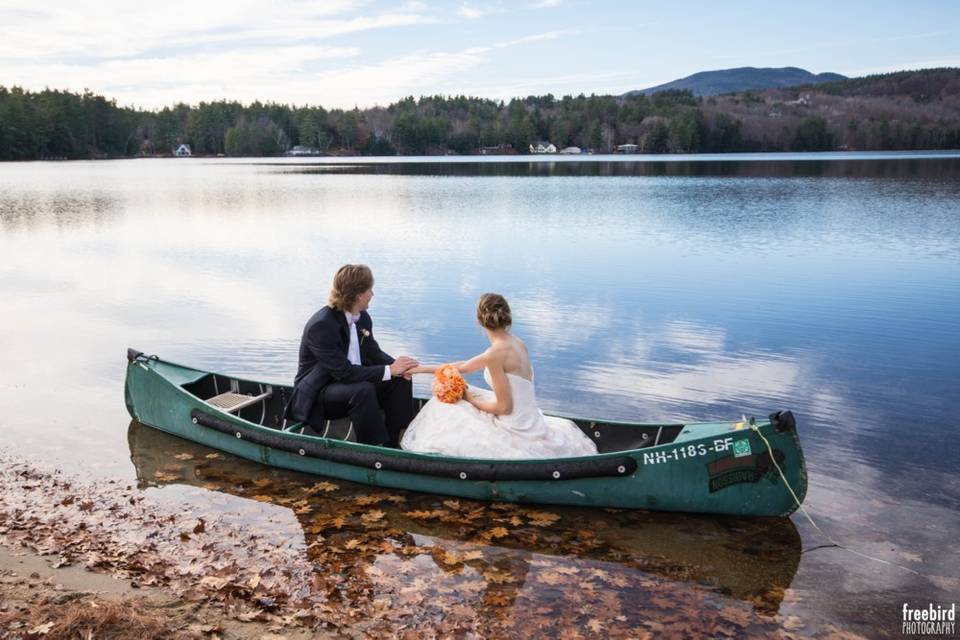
(461, 429)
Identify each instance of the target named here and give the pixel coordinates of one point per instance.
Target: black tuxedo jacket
(323, 360)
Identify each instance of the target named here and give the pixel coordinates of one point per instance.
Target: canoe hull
(710, 468)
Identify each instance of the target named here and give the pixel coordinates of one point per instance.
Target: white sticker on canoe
(740, 448)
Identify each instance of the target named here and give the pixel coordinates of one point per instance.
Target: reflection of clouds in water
(138, 277)
(689, 337)
(700, 372)
(548, 322)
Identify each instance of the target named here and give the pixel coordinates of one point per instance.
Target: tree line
(909, 110)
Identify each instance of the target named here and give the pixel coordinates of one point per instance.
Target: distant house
(183, 151)
(571, 151)
(542, 147)
(300, 150)
(627, 148)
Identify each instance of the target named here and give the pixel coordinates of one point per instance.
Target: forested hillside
(712, 83)
(907, 110)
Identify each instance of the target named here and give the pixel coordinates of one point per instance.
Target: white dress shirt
(353, 351)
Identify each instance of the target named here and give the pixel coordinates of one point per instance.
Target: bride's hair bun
(493, 312)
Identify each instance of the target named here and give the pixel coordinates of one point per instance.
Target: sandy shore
(37, 600)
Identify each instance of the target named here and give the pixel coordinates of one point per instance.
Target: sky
(346, 53)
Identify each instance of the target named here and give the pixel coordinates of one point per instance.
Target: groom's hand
(401, 365)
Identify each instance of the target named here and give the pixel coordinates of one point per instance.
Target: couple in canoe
(343, 372)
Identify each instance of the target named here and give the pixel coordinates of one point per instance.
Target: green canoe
(710, 467)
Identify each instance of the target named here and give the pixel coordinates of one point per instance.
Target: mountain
(711, 83)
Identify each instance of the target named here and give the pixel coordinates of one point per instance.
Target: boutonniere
(364, 334)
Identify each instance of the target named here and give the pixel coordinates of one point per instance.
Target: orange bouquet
(448, 385)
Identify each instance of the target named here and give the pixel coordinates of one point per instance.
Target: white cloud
(115, 28)
(237, 51)
(387, 81)
(471, 13)
(546, 4)
(537, 37)
(160, 81)
(241, 50)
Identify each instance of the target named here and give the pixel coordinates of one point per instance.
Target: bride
(504, 423)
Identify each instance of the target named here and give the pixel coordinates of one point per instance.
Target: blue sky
(341, 53)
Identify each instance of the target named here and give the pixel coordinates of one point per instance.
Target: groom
(343, 372)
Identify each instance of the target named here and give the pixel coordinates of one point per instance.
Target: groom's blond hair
(351, 281)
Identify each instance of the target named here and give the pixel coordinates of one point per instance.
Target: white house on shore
(571, 151)
(542, 147)
(627, 148)
(301, 150)
(183, 151)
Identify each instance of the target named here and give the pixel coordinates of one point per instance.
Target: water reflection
(662, 289)
(719, 166)
(753, 560)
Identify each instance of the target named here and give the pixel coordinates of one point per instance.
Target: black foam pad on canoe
(387, 460)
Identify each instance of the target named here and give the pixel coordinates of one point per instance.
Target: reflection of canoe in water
(716, 467)
(750, 559)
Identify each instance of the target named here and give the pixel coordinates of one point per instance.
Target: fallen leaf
(372, 516)
(552, 578)
(323, 486)
(425, 515)
(205, 629)
(499, 577)
(200, 526)
(184, 456)
(41, 629)
(542, 518)
(213, 582)
(497, 599)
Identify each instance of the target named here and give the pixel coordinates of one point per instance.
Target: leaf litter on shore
(372, 561)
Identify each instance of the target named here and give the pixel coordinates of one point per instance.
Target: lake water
(645, 288)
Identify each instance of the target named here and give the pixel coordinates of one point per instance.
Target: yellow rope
(815, 526)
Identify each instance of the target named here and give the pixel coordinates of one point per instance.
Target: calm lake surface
(646, 289)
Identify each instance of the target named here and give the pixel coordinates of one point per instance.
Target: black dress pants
(379, 410)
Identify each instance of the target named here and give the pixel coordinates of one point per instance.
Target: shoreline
(39, 598)
(739, 156)
(349, 570)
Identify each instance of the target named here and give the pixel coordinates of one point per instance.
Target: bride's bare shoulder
(497, 352)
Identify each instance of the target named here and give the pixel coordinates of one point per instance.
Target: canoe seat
(232, 402)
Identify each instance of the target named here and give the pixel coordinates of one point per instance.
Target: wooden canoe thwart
(709, 467)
